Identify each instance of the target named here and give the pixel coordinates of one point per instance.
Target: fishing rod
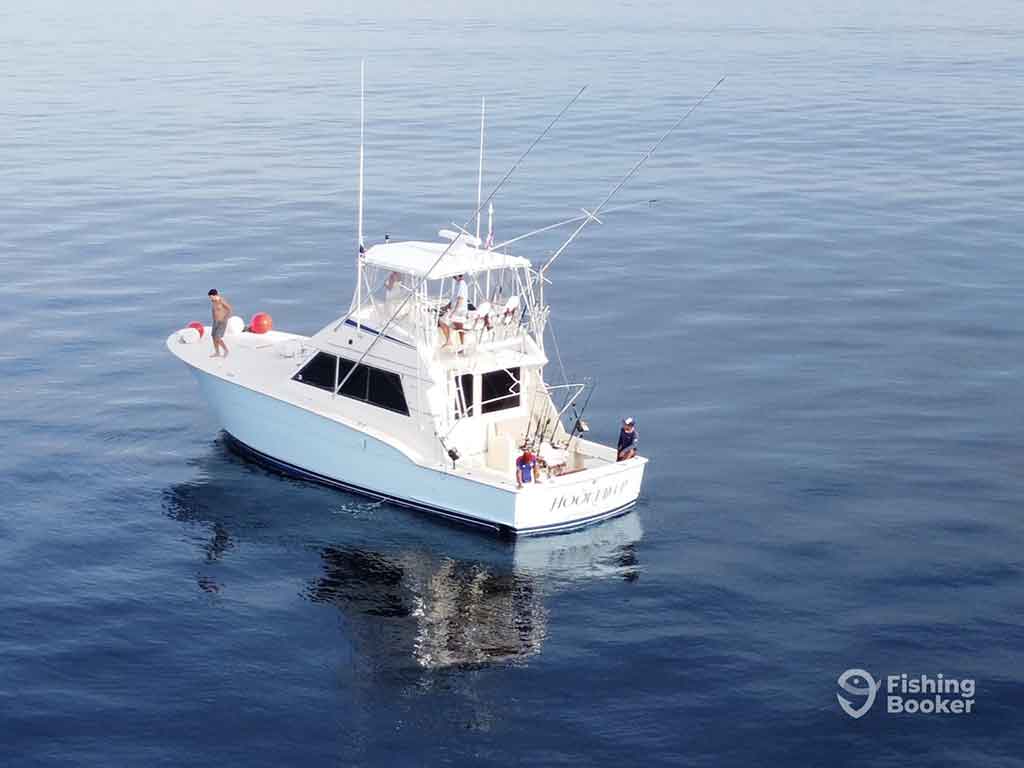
(532, 428)
(539, 436)
(542, 423)
(469, 221)
(580, 426)
(555, 414)
(579, 414)
(557, 419)
(593, 386)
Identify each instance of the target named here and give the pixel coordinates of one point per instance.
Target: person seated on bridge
(628, 439)
(393, 288)
(526, 468)
(393, 282)
(508, 312)
(453, 315)
(480, 315)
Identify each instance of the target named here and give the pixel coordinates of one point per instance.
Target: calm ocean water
(818, 329)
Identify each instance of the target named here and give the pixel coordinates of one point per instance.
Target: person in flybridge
(453, 315)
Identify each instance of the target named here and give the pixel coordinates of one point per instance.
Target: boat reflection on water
(436, 595)
(444, 612)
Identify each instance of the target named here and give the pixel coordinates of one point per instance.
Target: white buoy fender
(235, 326)
(188, 336)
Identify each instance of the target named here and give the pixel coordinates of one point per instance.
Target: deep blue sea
(818, 328)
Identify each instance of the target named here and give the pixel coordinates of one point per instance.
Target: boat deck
(265, 363)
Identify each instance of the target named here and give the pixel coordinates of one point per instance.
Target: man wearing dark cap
(221, 312)
(628, 439)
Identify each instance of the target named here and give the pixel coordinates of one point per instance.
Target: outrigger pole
(573, 220)
(444, 253)
(593, 215)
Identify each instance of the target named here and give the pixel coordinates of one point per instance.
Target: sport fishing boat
(384, 408)
(386, 402)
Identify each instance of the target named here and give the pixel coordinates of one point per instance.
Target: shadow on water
(407, 586)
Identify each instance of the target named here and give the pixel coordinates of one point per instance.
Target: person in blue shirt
(526, 468)
(628, 439)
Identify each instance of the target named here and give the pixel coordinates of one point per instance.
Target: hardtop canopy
(416, 258)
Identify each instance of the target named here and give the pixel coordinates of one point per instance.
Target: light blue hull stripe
(306, 474)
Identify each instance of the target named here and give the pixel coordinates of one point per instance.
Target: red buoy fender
(261, 323)
(198, 326)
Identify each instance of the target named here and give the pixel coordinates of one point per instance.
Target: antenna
(480, 174)
(362, 123)
(490, 226)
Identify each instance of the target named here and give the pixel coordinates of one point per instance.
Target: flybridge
(439, 260)
(465, 253)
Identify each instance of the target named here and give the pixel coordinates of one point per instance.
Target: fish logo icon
(860, 683)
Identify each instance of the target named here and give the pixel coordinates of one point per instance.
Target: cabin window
(386, 391)
(318, 372)
(357, 383)
(368, 384)
(463, 395)
(499, 390)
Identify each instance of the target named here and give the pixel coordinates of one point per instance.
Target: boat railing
(483, 326)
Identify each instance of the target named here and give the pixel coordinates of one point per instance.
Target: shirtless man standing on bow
(221, 313)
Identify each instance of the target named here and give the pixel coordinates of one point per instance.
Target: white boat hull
(293, 439)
